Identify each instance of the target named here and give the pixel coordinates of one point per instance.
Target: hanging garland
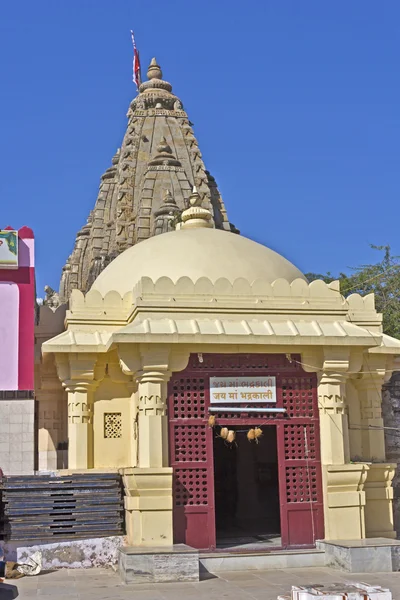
(229, 435)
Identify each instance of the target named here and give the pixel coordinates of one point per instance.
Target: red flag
(136, 63)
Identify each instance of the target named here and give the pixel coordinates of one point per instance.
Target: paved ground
(104, 584)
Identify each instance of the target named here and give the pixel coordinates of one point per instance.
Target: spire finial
(196, 216)
(154, 70)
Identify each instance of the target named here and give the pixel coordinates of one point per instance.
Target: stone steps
(255, 561)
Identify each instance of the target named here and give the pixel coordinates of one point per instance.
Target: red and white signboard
(253, 390)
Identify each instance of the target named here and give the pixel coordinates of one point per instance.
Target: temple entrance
(210, 476)
(246, 490)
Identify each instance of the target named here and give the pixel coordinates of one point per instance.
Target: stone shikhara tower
(147, 187)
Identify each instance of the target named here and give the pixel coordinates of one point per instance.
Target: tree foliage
(381, 279)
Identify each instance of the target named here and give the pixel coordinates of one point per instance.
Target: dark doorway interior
(246, 490)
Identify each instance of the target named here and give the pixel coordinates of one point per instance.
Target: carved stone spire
(159, 152)
(196, 216)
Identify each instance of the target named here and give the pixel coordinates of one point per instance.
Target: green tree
(382, 279)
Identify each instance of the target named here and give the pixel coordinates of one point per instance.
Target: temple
(236, 399)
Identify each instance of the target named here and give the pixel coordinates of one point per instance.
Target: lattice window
(298, 398)
(191, 487)
(113, 425)
(295, 442)
(189, 398)
(190, 443)
(301, 484)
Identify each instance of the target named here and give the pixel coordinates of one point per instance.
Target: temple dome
(195, 253)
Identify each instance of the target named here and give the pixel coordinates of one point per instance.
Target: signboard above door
(250, 390)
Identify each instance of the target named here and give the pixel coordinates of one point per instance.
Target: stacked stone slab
(147, 186)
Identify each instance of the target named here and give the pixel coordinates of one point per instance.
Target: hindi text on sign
(242, 389)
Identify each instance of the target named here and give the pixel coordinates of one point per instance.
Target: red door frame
(191, 446)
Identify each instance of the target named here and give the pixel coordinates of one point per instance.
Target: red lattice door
(192, 460)
(191, 446)
(300, 485)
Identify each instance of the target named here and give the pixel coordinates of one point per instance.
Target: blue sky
(296, 106)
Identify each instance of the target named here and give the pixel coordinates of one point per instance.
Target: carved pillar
(343, 483)
(80, 375)
(80, 424)
(369, 387)
(335, 449)
(379, 520)
(148, 500)
(153, 423)
(148, 488)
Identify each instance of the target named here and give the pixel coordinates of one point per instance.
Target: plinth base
(371, 555)
(158, 565)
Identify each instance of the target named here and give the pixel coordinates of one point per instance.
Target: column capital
(85, 387)
(336, 373)
(152, 375)
(80, 369)
(373, 368)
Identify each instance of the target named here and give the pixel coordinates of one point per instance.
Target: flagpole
(137, 79)
(140, 70)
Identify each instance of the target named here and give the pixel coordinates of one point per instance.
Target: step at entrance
(260, 561)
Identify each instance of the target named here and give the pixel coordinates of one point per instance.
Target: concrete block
(371, 555)
(158, 565)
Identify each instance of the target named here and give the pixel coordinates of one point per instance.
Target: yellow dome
(195, 253)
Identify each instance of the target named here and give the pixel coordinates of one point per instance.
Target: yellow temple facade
(197, 292)
(230, 393)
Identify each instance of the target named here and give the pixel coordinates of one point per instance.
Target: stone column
(343, 483)
(80, 424)
(80, 374)
(369, 387)
(148, 500)
(148, 487)
(152, 420)
(335, 448)
(379, 521)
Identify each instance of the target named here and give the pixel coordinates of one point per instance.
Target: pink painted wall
(9, 334)
(24, 279)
